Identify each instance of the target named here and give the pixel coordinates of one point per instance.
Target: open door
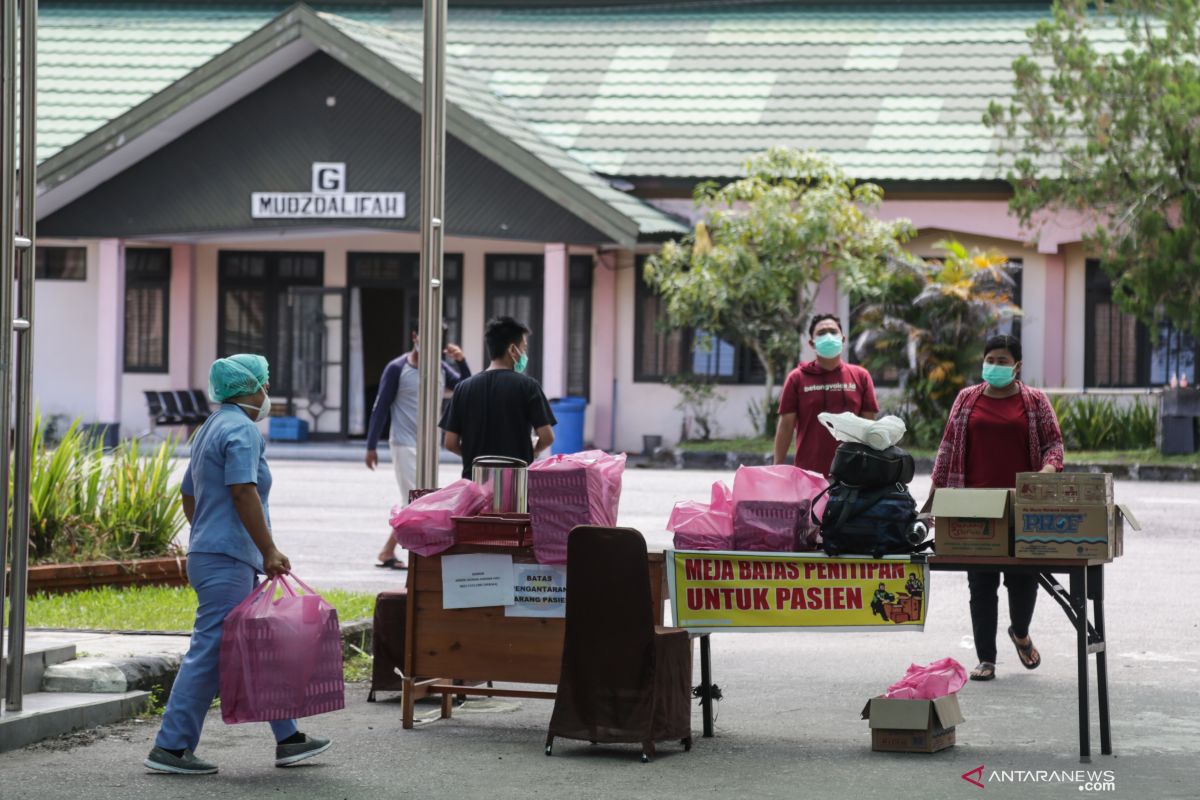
(315, 336)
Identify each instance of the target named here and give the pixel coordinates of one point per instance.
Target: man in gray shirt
(396, 403)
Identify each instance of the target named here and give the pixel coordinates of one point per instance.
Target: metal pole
(433, 181)
(8, 152)
(24, 364)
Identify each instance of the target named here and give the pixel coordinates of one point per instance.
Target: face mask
(522, 362)
(999, 375)
(260, 412)
(829, 345)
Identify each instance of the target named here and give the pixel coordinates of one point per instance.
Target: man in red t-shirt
(826, 384)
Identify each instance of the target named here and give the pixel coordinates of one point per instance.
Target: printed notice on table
(539, 590)
(476, 580)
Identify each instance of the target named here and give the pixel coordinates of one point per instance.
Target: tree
(931, 321)
(749, 271)
(1105, 120)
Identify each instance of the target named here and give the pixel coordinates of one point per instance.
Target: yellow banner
(724, 591)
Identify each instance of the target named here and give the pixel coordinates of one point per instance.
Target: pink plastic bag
(572, 489)
(281, 658)
(704, 526)
(781, 483)
(722, 498)
(929, 682)
(426, 525)
(772, 507)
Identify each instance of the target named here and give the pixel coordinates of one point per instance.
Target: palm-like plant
(929, 320)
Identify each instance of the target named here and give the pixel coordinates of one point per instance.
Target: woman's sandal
(392, 563)
(1030, 657)
(986, 671)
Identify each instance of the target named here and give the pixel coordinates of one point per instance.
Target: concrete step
(39, 655)
(53, 714)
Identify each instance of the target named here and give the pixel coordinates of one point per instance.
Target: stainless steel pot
(508, 479)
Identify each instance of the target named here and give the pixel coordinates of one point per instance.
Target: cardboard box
(973, 522)
(1065, 488)
(1069, 515)
(912, 726)
(1063, 530)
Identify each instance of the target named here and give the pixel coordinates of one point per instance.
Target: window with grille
(252, 312)
(1116, 345)
(514, 287)
(60, 263)
(579, 327)
(661, 353)
(147, 309)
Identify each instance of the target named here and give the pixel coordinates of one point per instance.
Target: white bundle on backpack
(878, 434)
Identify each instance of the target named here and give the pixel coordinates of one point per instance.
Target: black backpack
(872, 523)
(865, 467)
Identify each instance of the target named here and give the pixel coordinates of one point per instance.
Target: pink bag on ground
(426, 525)
(571, 489)
(281, 658)
(929, 682)
(704, 526)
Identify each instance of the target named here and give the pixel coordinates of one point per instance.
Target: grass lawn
(152, 608)
(761, 444)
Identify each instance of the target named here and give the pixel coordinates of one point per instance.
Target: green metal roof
(893, 91)
(392, 60)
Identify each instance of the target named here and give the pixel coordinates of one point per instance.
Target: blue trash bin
(568, 433)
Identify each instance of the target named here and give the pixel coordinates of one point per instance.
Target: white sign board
(477, 580)
(539, 590)
(327, 200)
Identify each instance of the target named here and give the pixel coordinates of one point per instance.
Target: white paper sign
(476, 580)
(539, 590)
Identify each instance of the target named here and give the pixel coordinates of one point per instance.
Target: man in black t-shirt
(497, 411)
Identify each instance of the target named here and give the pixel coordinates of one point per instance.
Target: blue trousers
(221, 583)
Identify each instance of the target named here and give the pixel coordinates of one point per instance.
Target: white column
(555, 306)
(110, 330)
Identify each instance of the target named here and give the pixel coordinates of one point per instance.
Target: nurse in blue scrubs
(225, 493)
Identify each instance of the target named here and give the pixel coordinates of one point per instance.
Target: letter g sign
(328, 177)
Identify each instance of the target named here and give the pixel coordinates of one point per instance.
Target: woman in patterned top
(996, 429)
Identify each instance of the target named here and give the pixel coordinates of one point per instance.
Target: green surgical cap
(235, 376)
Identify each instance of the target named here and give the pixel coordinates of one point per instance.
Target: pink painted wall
(183, 265)
(110, 329)
(979, 217)
(604, 349)
(1054, 329)
(554, 321)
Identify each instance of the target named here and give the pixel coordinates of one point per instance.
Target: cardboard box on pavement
(913, 726)
(972, 522)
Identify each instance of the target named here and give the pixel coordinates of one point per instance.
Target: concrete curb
(716, 460)
(122, 675)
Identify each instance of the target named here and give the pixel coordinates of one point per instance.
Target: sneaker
(186, 764)
(288, 754)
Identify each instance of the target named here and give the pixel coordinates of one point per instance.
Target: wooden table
(1086, 582)
(478, 645)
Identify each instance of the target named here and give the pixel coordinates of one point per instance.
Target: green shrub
(86, 506)
(1090, 424)
(1137, 425)
(1095, 423)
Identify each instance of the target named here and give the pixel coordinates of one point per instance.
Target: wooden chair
(623, 680)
